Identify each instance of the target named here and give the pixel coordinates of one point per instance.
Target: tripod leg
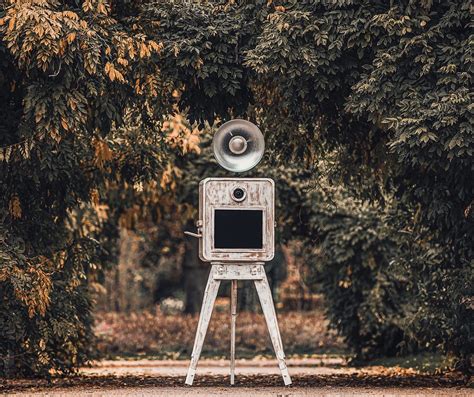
(266, 300)
(233, 312)
(210, 295)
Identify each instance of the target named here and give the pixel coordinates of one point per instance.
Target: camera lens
(238, 194)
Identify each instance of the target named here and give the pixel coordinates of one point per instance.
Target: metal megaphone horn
(238, 145)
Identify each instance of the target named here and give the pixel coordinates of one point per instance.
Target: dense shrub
(70, 75)
(387, 87)
(45, 316)
(353, 270)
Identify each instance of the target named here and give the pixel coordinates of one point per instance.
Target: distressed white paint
(232, 271)
(210, 295)
(236, 264)
(224, 271)
(268, 308)
(216, 193)
(233, 318)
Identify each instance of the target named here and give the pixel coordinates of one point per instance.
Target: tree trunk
(195, 274)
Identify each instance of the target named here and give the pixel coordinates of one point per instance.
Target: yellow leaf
(87, 5)
(64, 124)
(144, 51)
(199, 63)
(119, 76)
(112, 74)
(94, 197)
(39, 30)
(155, 46)
(122, 61)
(72, 103)
(55, 135)
(11, 24)
(138, 88)
(15, 207)
(102, 153)
(131, 51)
(102, 9)
(71, 37)
(71, 14)
(62, 47)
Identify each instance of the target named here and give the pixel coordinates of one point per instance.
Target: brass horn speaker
(238, 145)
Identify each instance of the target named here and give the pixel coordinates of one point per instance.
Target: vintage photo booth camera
(236, 234)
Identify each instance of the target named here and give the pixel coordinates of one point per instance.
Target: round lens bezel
(238, 189)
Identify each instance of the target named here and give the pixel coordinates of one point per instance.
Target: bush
(66, 72)
(352, 247)
(389, 286)
(353, 271)
(388, 88)
(45, 315)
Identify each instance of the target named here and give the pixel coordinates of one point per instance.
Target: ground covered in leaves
(306, 374)
(172, 335)
(352, 380)
(145, 335)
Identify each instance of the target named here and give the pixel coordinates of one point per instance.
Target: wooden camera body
(236, 219)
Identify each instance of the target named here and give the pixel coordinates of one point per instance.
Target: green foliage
(388, 89)
(45, 318)
(353, 270)
(71, 73)
(203, 50)
(438, 312)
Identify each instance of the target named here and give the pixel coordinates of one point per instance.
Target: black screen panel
(238, 229)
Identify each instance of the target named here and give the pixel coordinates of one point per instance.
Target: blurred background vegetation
(107, 113)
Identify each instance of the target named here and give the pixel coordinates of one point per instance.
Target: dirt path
(325, 376)
(310, 366)
(253, 392)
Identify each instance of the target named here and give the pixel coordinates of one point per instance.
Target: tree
(70, 73)
(388, 87)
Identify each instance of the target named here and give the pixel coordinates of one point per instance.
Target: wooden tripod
(234, 272)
